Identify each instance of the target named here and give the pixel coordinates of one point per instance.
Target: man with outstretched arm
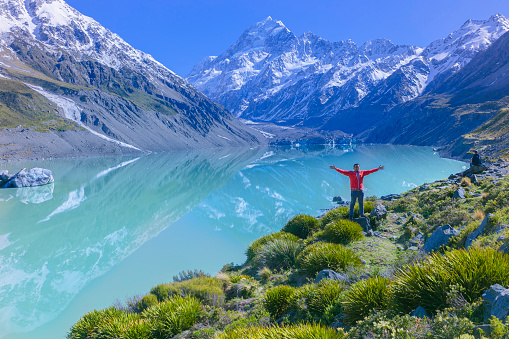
(356, 179)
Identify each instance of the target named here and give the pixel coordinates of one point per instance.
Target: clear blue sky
(179, 33)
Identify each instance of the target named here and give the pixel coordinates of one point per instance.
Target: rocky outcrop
(380, 212)
(472, 236)
(459, 194)
(474, 170)
(364, 222)
(496, 302)
(439, 238)
(330, 274)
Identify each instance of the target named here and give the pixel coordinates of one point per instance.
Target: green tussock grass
(209, 290)
(301, 226)
(494, 128)
(255, 246)
(427, 283)
(320, 256)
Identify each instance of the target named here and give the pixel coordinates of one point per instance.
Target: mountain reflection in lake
(55, 239)
(102, 229)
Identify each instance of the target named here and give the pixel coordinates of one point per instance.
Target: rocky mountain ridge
(270, 74)
(87, 74)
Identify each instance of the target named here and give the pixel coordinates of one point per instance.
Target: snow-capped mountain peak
(53, 41)
(269, 74)
(268, 26)
(56, 24)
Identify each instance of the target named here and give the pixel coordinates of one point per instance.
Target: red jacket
(356, 182)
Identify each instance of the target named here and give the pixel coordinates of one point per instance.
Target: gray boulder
(417, 239)
(364, 222)
(330, 274)
(474, 170)
(380, 212)
(4, 177)
(486, 331)
(504, 248)
(424, 187)
(30, 178)
(472, 236)
(473, 178)
(439, 238)
(400, 221)
(338, 200)
(419, 312)
(496, 302)
(391, 197)
(459, 194)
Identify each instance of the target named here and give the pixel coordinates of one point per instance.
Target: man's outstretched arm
(339, 170)
(374, 170)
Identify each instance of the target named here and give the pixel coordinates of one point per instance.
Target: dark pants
(359, 195)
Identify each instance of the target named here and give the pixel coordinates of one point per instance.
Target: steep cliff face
(94, 78)
(466, 108)
(270, 74)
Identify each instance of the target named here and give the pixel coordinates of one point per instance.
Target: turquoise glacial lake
(108, 229)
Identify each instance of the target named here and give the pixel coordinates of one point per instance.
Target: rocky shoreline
(325, 277)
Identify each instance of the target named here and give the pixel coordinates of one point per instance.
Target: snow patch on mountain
(73, 112)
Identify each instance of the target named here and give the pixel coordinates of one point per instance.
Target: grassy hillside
(20, 105)
(491, 138)
(382, 278)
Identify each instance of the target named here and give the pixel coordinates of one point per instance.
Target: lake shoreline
(11, 153)
(276, 290)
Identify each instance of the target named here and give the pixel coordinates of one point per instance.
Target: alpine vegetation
(374, 286)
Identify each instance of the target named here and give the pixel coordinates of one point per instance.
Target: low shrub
(465, 182)
(138, 329)
(325, 295)
(279, 300)
(278, 254)
(187, 275)
(385, 325)
(238, 277)
(335, 214)
(264, 274)
(301, 225)
(147, 301)
(365, 296)
(369, 206)
(87, 326)
(299, 331)
(446, 326)
(458, 241)
(243, 288)
(320, 256)
(403, 205)
(455, 216)
(427, 283)
(119, 325)
(209, 290)
(499, 329)
(252, 250)
(173, 316)
(479, 215)
(343, 232)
